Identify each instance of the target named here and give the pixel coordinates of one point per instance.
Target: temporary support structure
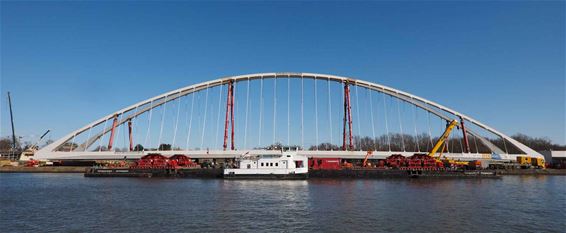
(229, 116)
(114, 124)
(347, 119)
(465, 136)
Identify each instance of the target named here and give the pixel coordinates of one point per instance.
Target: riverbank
(46, 169)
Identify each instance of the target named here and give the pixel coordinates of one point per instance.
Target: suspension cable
(191, 118)
(504, 144)
(447, 141)
(86, 144)
(176, 120)
(416, 131)
(330, 114)
(476, 143)
(260, 110)
(204, 120)
(118, 131)
(372, 120)
(218, 113)
(148, 124)
(134, 121)
(461, 145)
(358, 118)
(72, 142)
(125, 129)
(386, 123)
(288, 112)
(102, 137)
(429, 132)
(246, 115)
(400, 124)
(316, 112)
(302, 112)
(274, 109)
(162, 119)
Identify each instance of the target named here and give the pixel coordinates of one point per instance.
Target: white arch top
(172, 95)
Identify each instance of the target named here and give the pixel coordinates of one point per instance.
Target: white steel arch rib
(173, 95)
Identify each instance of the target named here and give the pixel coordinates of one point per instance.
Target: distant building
(557, 158)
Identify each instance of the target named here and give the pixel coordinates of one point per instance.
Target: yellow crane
(441, 142)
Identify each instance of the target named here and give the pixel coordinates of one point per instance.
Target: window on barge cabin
(262, 164)
(276, 164)
(298, 164)
(271, 164)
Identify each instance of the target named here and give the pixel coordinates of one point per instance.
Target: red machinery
(158, 161)
(423, 161)
(152, 161)
(182, 161)
(325, 163)
(32, 163)
(396, 161)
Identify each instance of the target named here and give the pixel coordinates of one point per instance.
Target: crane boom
(440, 142)
(365, 163)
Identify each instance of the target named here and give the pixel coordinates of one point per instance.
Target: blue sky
(69, 63)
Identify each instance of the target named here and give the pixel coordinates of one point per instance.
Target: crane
(441, 142)
(365, 163)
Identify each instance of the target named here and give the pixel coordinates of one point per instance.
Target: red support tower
(130, 135)
(465, 138)
(114, 124)
(229, 115)
(347, 118)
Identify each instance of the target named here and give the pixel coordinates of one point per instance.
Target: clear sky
(69, 63)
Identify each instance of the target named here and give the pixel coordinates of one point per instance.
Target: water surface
(72, 203)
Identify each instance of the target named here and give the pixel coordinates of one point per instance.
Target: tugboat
(285, 165)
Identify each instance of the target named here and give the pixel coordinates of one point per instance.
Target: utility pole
(12, 121)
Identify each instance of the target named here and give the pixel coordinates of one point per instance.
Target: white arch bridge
(316, 114)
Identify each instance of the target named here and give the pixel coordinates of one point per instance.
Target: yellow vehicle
(524, 160)
(538, 162)
(527, 162)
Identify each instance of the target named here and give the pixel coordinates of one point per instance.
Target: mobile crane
(441, 144)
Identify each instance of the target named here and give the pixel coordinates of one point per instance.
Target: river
(72, 203)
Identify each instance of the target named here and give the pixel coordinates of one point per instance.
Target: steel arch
(172, 95)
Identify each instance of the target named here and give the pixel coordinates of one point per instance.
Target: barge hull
(267, 176)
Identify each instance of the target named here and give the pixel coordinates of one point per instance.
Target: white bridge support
(51, 151)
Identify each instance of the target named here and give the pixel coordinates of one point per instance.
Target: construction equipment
(528, 162)
(524, 161)
(324, 163)
(35, 145)
(396, 161)
(365, 163)
(441, 145)
(538, 162)
(347, 165)
(441, 142)
(14, 142)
